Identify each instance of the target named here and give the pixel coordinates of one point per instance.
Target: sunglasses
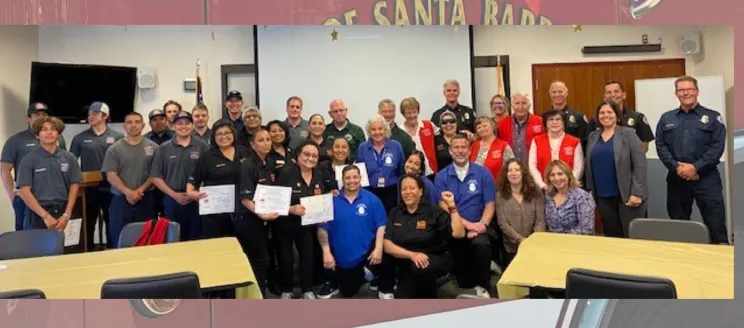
(449, 121)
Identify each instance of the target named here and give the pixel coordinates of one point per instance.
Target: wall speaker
(690, 44)
(146, 78)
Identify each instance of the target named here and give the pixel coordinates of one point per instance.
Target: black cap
(234, 94)
(37, 107)
(184, 115)
(155, 113)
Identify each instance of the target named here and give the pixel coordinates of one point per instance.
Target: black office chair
(31, 243)
(131, 232)
(182, 285)
(24, 293)
(588, 284)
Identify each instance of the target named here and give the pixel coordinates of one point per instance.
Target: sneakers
(482, 292)
(309, 296)
(385, 296)
(286, 296)
(327, 292)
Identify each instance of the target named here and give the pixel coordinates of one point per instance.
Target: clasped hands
(687, 171)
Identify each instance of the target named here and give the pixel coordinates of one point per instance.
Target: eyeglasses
(311, 155)
(497, 104)
(449, 121)
(223, 134)
(686, 90)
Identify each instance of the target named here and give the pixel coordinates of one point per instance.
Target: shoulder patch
(720, 119)
(586, 119)
(645, 120)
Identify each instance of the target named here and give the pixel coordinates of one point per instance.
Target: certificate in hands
(318, 209)
(362, 172)
(272, 199)
(220, 199)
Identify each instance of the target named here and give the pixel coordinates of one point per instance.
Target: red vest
(426, 135)
(534, 128)
(494, 159)
(565, 154)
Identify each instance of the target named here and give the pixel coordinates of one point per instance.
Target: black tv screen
(68, 89)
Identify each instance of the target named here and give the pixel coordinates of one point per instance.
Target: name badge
(420, 225)
(380, 182)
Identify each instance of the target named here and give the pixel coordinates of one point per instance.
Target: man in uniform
(341, 127)
(614, 92)
(464, 114)
(295, 123)
(48, 178)
(578, 124)
(174, 161)
(386, 108)
(90, 146)
(160, 132)
(200, 114)
(15, 149)
(127, 166)
(234, 105)
(690, 141)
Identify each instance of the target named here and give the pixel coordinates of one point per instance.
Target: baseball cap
(184, 115)
(37, 107)
(99, 107)
(234, 94)
(155, 113)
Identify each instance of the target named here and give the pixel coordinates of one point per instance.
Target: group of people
(450, 196)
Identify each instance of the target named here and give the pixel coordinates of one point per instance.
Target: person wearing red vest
(519, 129)
(489, 151)
(556, 144)
(421, 131)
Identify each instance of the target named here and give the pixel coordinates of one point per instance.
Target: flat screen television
(68, 89)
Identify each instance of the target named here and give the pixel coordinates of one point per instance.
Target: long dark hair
(284, 127)
(529, 188)
(421, 157)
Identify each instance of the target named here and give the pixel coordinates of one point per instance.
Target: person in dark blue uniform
(14, 150)
(159, 134)
(690, 141)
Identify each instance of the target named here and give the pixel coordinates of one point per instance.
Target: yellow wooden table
(697, 270)
(219, 263)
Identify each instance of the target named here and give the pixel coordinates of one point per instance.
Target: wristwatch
(66, 215)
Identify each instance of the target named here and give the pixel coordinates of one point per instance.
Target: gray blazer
(630, 162)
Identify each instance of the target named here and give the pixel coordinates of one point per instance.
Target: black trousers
(707, 192)
(36, 222)
(414, 282)
(218, 225)
(252, 235)
(616, 216)
(97, 203)
(302, 238)
(349, 280)
(388, 196)
(472, 261)
(508, 258)
(272, 275)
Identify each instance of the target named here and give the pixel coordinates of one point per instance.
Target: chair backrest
(130, 233)
(31, 243)
(23, 293)
(182, 285)
(669, 230)
(589, 284)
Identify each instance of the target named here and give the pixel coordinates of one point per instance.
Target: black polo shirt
(214, 169)
(160, 139)
(464, 114)
(427, 230)
(253, 173)
(631, 119)
(329, 172)
(291, 177)
(441, 151)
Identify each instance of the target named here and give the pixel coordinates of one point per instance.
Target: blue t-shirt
(472, 194)
(352, 232)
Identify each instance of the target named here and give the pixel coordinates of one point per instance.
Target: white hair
(251, 109)
(378, 118)
(451, 82)
(521, 94)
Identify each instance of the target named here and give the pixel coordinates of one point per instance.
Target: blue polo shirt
(352, 232)
(387, 164)
(472, 194)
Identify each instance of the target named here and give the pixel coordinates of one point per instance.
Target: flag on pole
(500, 80)
(199, 87)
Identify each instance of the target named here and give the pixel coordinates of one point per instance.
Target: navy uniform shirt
(292, 177)
(20, 145)
(174, 163)
(464, 114)
(160, 139)
(384, 168)
(426, 230)
(49, 175)
(472, 194)
(206, 137)
(697, 137)
(631, 119)
(353, 230)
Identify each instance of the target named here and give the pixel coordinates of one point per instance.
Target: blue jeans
(122, 213)
(20, 209)
(186, 216)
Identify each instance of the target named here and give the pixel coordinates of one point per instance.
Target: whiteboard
(654, 97)
(363, 66)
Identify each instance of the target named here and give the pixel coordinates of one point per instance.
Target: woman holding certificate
(218, 166)
(306, 180)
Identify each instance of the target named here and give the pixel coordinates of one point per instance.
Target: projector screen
(363, 66)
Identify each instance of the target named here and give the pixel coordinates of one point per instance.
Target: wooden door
(585, 81)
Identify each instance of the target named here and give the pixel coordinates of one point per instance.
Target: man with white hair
(521, 127)
(464, 114)
(386, 108)
(252, 120)
(341, 127)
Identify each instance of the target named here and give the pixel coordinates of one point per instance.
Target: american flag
(199, 87)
